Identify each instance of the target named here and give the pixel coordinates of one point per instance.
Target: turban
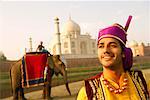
(118, 32)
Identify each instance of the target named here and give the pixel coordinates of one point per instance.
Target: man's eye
(114, 46)
(100, 46)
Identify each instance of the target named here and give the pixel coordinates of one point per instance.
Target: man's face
(110, 53)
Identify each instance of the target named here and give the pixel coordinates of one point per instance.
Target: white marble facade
(73, 43)
(137, 48)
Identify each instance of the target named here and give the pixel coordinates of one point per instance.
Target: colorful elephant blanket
(33, 66)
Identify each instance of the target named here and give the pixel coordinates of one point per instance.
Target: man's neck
(113, 74)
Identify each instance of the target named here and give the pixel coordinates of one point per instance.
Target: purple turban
(118, 32)
(114, 31)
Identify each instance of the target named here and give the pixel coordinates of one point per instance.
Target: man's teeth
(107, 57)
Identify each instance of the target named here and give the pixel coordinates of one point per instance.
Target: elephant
(16, 77)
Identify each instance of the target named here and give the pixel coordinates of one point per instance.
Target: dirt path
(146, 74)
(147, 77)
(58, 93)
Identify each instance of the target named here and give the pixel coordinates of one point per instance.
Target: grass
(4, 75)
(142, 66)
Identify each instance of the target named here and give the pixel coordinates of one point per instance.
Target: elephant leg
(15, 89)
(48, 87)
(44, 91)
(15, 93)
(47, 91)
(48, 83)
(21, 91)
(18, 93)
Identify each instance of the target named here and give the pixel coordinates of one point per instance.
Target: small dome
(133, 43)
(141, 44)
(70, 27)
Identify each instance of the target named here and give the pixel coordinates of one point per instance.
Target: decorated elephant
(56, 66)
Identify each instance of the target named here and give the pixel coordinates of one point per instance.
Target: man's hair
(122, 45)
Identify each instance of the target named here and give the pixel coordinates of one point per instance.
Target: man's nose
(106, 49)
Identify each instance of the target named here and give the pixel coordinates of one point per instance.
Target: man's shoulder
(135, 71)
(139, 77)
(137, 74)
(39, 45)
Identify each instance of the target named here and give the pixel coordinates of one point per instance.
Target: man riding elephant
(40, 47)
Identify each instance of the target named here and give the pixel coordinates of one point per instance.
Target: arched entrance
(83, 47)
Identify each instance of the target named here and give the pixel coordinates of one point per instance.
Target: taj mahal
(71, 43)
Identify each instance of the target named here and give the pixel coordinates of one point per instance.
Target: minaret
(30, 43)
(58, 44)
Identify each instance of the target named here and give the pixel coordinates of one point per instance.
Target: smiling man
(110, 53)
(117, 81)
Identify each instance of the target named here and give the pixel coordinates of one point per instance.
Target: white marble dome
(141, 44)
(133, 43)
(71, 27)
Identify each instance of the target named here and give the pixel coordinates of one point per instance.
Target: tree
(2, 56)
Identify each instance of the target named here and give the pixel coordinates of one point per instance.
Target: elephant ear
(51, 62)
(57, 59)
(56, 56)
(58, 63)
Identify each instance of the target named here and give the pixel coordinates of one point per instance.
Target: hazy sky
(20, 20)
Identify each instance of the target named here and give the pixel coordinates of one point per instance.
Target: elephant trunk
(66, 81)
(67, 87)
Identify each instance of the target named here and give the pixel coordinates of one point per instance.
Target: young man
(117, 81)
